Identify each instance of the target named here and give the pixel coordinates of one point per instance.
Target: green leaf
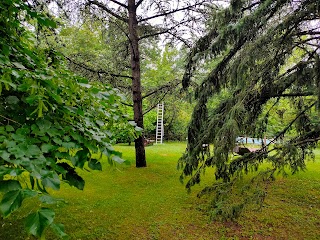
(26, 193)
(23, 130)
(82, 80)
(56, 97)
(44, 138)
(10, 144)
(117, 159)
(95, 164)
(80, 158)
(2, 130)
(132, 123)
(95, 90)
(5, 49)
(100, 123)
(51, 180)
(47, 199)
(44, 125)
(11, 171)
(62, 155)
(18, 65)
(15, 73)
(33, 150)
(12, 100)
(59, 231)
(19, 137)
(46, 147)
(37, 222)
(15, 172)
(47, 22)
(80, 112)
(69, 145)
(74, 179)
(4, 170)
(32, 99)
(138, 129)
(9, 128)
(85, 85)
(77, 137)
(11, 201)
(5, 155)
(57, 140)
(17, 151)
(9, 185)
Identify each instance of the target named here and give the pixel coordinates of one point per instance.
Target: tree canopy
(267, 51)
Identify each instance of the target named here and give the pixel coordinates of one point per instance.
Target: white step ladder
(159, 129)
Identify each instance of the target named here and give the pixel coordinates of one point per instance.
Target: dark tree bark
(136, 82)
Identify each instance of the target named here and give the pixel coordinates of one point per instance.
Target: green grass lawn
(124, 202)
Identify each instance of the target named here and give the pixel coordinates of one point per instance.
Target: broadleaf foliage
(52, 120)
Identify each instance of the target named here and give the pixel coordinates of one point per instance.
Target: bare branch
(138, 3)
(8, 119)
(302, 94)
(103, 7)
(181, 40)
(82, 65)
(307, 141)
(170, 12)
(160, 100)
(119, 3)
(163, 31)
(169, 86)
(154, 34)
(127, 104)
(250, 6)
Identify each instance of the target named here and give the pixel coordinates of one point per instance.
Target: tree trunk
(136, 82)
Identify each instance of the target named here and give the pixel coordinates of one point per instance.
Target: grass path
(124, 202)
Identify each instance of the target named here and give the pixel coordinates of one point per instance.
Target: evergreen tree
(254, 42)
(136, 19)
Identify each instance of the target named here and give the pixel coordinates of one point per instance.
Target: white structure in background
(159, 129)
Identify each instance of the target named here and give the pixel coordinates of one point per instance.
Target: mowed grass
(124, 202)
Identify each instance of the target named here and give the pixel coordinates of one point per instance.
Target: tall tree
(167, 18)
(255, 41)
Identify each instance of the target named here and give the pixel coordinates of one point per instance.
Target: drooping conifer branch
(270, 51)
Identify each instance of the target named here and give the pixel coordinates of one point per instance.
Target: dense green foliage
(267, 51)
(52, 121)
